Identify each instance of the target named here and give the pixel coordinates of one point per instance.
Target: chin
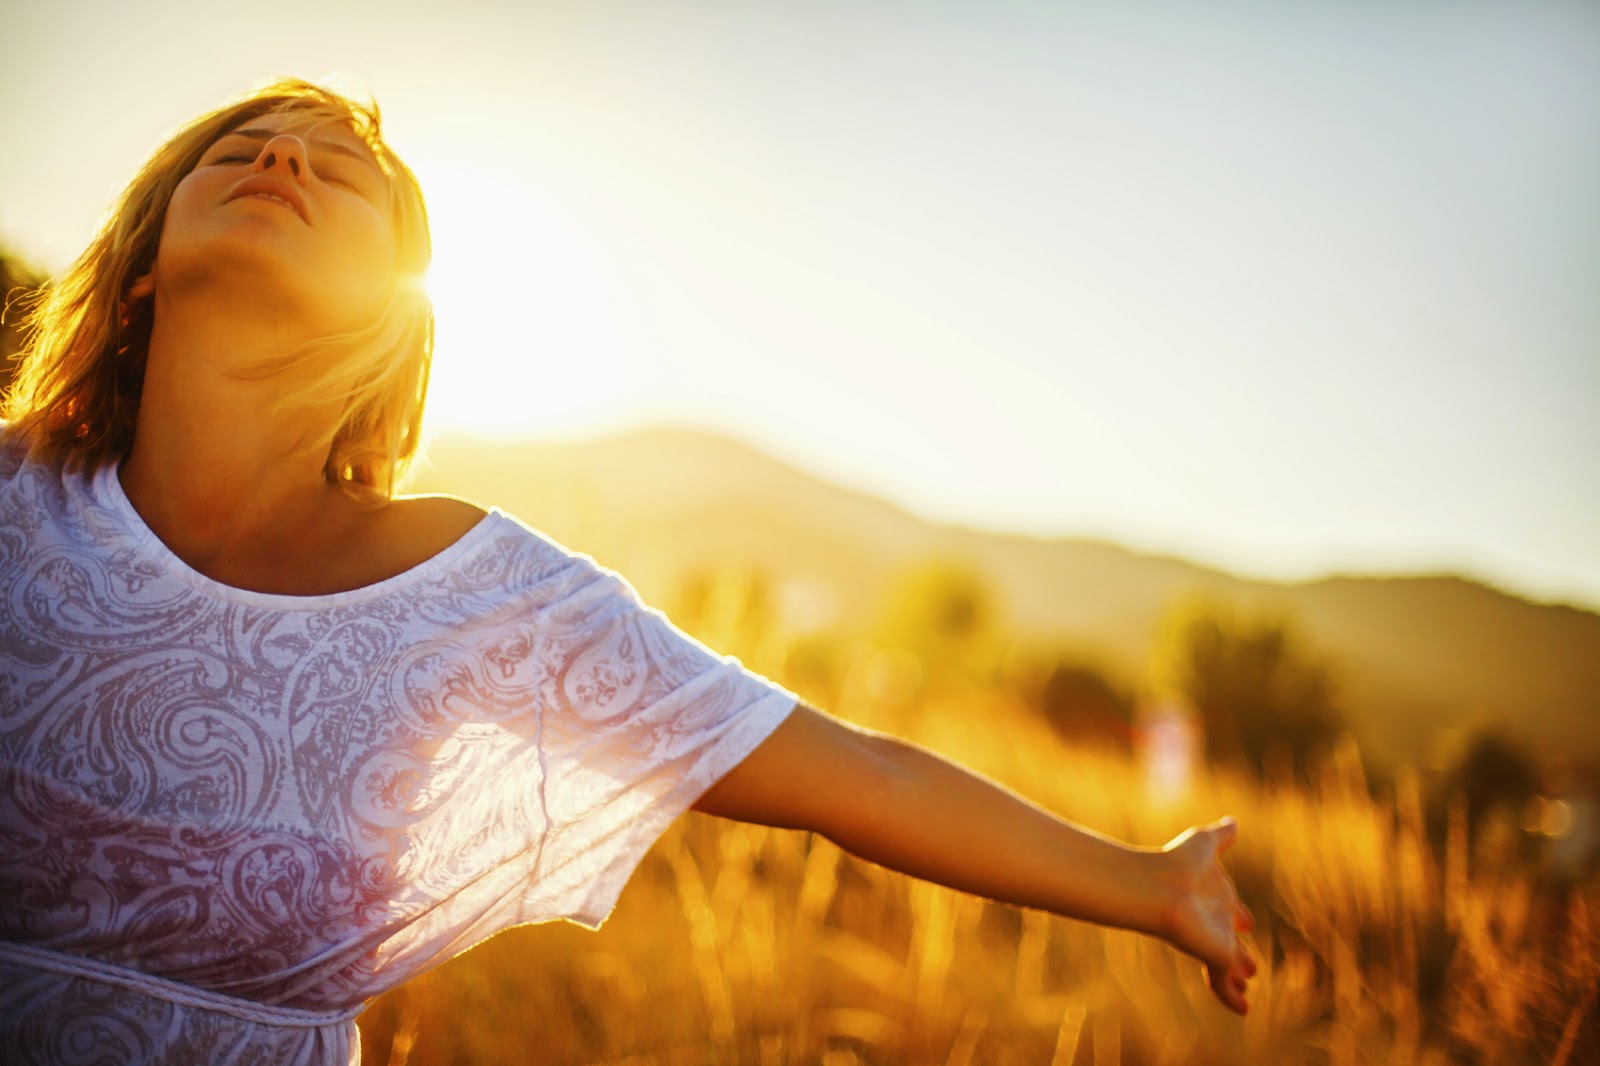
(260, 281)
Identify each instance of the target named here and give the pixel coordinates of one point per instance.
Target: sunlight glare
(525, 337)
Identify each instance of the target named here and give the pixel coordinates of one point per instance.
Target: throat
(354, 549)
(300, 561)
(320, 546)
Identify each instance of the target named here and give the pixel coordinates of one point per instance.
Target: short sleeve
(638, 720)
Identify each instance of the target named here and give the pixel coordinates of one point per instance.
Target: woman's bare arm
(908, 809)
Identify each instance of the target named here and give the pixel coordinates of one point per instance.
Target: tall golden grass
(744, 945)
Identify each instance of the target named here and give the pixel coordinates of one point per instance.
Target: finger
(1235, 999)
(1226, 829)
(1231, 997)
(1243, 920)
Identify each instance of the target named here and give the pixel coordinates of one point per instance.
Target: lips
(272, 189)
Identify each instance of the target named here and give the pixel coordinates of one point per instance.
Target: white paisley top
(228, 818)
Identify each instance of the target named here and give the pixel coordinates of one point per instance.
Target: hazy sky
(1286, 287)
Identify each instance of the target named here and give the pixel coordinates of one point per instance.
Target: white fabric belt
(177, 992)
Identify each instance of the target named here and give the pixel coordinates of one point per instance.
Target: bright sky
(1286, 287)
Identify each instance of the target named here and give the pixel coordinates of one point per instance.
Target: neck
(213, 466)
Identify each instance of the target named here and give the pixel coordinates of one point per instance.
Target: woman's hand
(1206, 919)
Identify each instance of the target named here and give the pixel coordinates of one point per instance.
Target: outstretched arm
(905, 808)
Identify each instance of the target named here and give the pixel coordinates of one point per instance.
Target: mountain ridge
(672, 436)
(1414, 654)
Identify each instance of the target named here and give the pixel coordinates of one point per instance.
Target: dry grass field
(742, 945)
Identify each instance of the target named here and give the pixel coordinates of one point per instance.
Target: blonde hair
(76, 390)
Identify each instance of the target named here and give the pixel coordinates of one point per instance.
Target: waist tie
(176, 992)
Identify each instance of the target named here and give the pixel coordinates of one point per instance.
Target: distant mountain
(1411, 655)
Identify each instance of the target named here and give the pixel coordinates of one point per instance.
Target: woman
(273, 741)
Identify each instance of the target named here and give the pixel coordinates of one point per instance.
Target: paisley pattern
(305, 801)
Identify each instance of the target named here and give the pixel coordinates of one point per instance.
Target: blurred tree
(1077, 699)
(1257, 692)
(1496, 775)
(944, 613)
(18, 282)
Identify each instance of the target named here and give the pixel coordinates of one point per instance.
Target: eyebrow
(326, 146)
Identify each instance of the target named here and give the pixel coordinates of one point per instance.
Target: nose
(284, 152)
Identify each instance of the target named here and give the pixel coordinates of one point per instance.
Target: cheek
(177, 222)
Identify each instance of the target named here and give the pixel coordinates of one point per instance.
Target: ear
(143, 286)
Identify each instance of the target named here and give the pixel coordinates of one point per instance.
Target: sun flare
(525, 338)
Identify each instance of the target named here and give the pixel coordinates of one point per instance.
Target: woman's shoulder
(435, 519)
(411, 530)
(523, 559)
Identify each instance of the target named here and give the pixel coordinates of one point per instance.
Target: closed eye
(338, 175)
(240, 158)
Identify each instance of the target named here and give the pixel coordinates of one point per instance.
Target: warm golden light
(525, 334)
(1552, 817)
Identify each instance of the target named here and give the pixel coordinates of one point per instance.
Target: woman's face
(294, 211)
